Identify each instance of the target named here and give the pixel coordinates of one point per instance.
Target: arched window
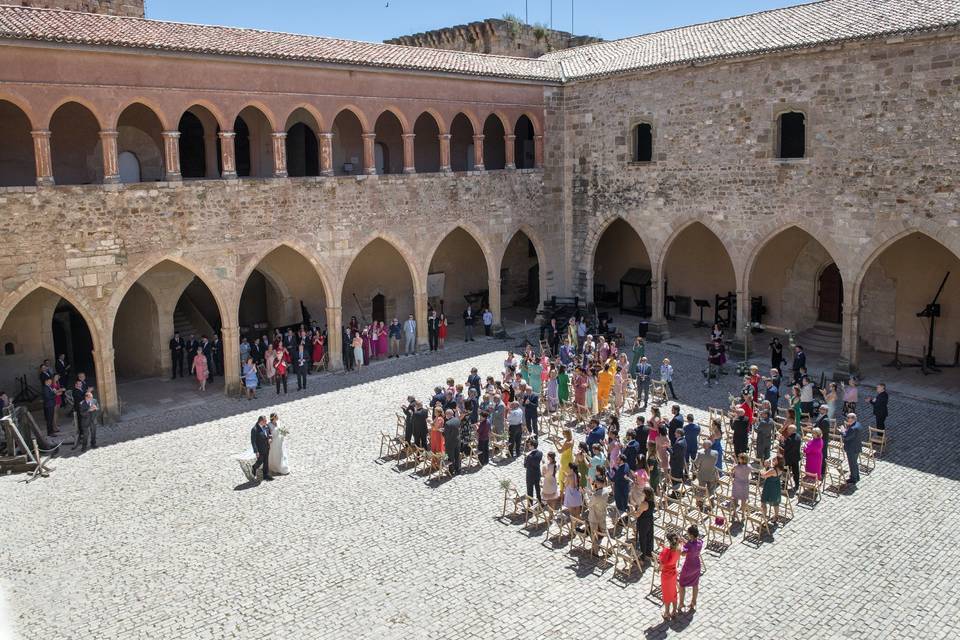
(643, 142)
(792, 134)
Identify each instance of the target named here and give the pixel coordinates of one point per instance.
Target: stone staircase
(822, 337)
(181, 324)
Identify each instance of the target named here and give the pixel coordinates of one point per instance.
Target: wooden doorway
(830, 287)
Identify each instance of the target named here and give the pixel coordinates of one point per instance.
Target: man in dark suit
(177, 354)
(740, 426)
(799, 362)
(676, 422)
(50, 404)
(530, 403)
(451, 440)
(644, 374)
(45, 373)
(192, 345)
(216, 354)
(823, 423)
(302, 364)
(852, 444)
(206, 348)
(346, 349)
(469, 318)
(78, 393)
(678, 458)
(408, 411)
(419, 419)
(879, 403)
(433, 329)
(89, 416)
(532, 465)
(791, 453)
(260, 438)
(63, 369)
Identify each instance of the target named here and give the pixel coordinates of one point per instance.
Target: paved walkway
(156, 535)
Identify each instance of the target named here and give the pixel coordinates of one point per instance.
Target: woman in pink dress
(317, 348)
(813, 455)
(199, 369)
(690, 573)
(374, 334)
(383, 347)
(580, 384)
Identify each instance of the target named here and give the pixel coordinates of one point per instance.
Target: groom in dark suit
(260, 438)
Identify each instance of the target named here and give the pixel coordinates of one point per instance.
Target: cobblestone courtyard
(153, 535)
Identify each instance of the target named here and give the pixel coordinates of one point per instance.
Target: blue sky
(374, 20)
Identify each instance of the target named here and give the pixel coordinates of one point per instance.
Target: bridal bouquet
(283, 431)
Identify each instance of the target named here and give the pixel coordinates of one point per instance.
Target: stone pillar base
(844, 369)
(657, 331)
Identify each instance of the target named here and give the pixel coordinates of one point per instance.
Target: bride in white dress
(278, 448)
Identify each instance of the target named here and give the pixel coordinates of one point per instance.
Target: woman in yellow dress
(604, 385)
(566, 455)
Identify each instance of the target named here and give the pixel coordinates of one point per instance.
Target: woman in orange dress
(436, 431)
(604, 385)
(669, 557)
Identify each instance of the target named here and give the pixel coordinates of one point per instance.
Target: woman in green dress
(795, 404)
(535, 381)
(563, 388)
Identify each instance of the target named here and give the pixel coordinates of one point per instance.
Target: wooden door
(831, 295)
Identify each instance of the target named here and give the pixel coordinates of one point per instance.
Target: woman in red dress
(669, 557)
(317, 348)
(442, 331)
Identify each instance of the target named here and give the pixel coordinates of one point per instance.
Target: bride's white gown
(278, 455)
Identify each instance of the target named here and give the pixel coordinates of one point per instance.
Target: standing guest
(644, 373)
(580, 386)
(244, 351)
(597, 507)
(357, 344)
(302, 366)
(662, 444)
(469, 318)
(408, 410)
(260, 438)
(879, 403)
(483, 439)
(716, 437)
(604, 385)
(515, 425)
(551, 491)
(823, 424)
(62, 368)
(410, 336)
(669, 557)
(806, 396)
(631, 451)
(572, 496)
(741, 432)
(637, 352)
(532, 465)
(498, 414)
(776, 353)
(675, 424)
(791, 453)
(433, 329)
(89, 417)
(691, 433)
(566, 455)
(764, 435)
(666, 375)
(553, 392)
(442, 328)
(772, 492)
(473, 381)
(281, 364)
(50, 396)
(706, 469)
(799, 362)
(530, 404)
(597, 462)
(796, 404)
(318, 348)
(419, 419)
(216, 354)
(395, 332)
(678, 458)
(690, 573)
(451, 439)
(78, 393)
(740, 491)
(269, 360)
(813, 455)
(597, 433)
(250, 378)
(436, 431)
(563, 385)
(58, 400)
(621, 476)
(833, 401)
(852, 444)
(850, 393)
(645, 514)
(383, 341)
(199, 369)
(572, 336)
(487, 323)
(177, 347)
(347, 352)
(771, 394)
(567, 353)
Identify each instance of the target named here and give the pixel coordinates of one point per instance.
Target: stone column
(849, 362)
(106, 390)
(493, 293)
(444, 153)
(227, 155)
(510, 141)
(420, 315)
(478, 152)
(108, 144)
(280, 154)
(326, 154)
(43, 160)
(741, 343)
(230, 338)
(171, 156)
(658, 330)
(369, 157)
(538, 152)
(409, 163)
(335, 338)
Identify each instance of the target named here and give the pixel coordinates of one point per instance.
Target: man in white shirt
(410, 335)
(487, 322)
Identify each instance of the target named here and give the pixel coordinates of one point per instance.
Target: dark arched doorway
(830, 292)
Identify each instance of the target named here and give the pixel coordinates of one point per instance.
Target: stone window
(791, 135)
(643, 142)
(8, 349)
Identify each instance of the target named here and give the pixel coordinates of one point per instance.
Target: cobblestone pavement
(153, 535)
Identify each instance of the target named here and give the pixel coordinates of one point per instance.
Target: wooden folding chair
(877, 440)
(655, 586)
(390, 444)
(532, 511)
(579, 533)
(809, 491)
(513, 499)
(718, 530)
(755, 523)
(624, 551)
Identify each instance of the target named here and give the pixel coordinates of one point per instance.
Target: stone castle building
(156, 175)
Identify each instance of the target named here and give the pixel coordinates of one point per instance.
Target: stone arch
(474, 232)
(437, 118)
(75, 149)
(462, 129)
(518, 278)
(457, 255)
(524, 143)
(622, 258)
(388, 130)
(302, 143)
(884, 239)
(356, 111)
(495, 128)
(677, 229)
(326, 279)
(253, 142)
(348, 129)
(17, 159)
(8, 96)
(426, 141)
(770, 232)
(152, 105)
(401, 246)
(377, 268)
(398, 114)
(215, 111)
(140, 132)
(199, 142)
(14, 298)
(266, 111)
(318, 120)
(89, 105)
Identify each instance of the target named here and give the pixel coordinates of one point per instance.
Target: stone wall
(498, 37)
(132, 8)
